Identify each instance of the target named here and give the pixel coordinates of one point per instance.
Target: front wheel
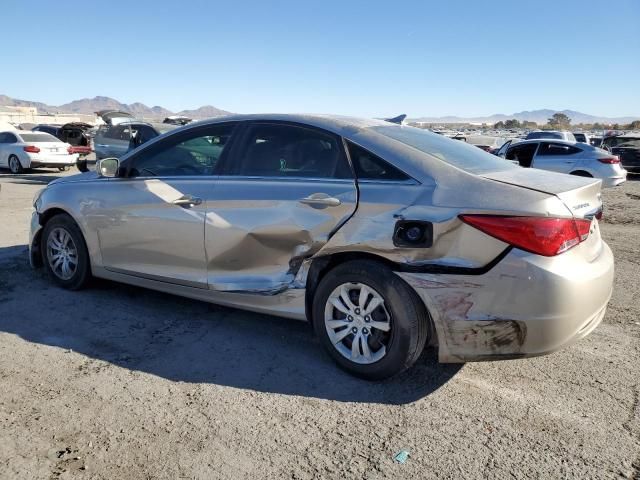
(14, 165)
(369, 320)
(64, 253)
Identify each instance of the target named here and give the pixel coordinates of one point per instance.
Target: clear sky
(369, 58)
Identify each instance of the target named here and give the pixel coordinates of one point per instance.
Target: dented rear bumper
(526, 305)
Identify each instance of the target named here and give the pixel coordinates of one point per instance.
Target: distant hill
(207, 111)
(538, 116)
(89, 106)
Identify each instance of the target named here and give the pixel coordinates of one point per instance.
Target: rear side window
(371, 167)
(549, 149)
(459, 154)
(279, 150)
(534, 135)
(39, 138)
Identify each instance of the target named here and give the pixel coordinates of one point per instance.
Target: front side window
(275, 150)
(117, 133)
(553, 149)
(193, 153)
(522, 153)
(371, 167)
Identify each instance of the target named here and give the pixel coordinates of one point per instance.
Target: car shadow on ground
(33, 177)
(190, 341)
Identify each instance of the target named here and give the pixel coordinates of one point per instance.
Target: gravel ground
(116, 382)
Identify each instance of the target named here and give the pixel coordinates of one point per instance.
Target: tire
(402, 312)
(81, 165)
(14, 165)
(62, 236)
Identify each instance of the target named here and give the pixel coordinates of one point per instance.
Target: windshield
(459, 154)
(39, 138)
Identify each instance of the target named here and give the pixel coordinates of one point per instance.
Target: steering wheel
(188, 168)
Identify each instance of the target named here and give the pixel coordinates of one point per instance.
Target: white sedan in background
(20, 151)
(561, 156)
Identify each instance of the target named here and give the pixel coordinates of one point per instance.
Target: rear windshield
(39, 138)
(459, 154)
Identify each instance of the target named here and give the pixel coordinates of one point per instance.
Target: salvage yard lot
(121, 382)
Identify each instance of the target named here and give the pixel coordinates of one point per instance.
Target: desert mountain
(538, 116)
(89, 106)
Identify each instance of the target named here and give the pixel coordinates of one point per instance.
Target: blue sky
(368, 58)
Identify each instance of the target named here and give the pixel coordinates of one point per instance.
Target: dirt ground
(116, 382)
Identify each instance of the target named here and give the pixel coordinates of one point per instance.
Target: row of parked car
(575, 153)
(62, 146)
(561, 152)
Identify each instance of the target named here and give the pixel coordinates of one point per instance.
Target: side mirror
(108, 167)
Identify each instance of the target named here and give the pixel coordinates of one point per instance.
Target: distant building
(16, 115)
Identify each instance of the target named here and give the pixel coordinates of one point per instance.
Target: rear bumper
(527, 305)
(54, 161)
(614, 181)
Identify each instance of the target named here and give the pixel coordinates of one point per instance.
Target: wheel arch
(43, 218)
(320, 266)
(581, 172)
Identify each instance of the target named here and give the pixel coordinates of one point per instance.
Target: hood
(581, 195)
(81, 177)
(108, 116)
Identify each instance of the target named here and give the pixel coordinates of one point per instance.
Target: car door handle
(187, 201)
(320, 200)
(101, 145)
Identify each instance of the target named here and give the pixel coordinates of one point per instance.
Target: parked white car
(561, 156)
(22, 150)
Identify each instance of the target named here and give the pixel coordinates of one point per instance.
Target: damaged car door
(151, 217)
(282, 194)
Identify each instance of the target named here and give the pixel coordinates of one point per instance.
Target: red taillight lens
(609, 160)
(539, 235)
(31, 149)
(70, 150)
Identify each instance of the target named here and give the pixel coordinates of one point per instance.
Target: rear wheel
(369, 320)
(14, 165)
(64, 253)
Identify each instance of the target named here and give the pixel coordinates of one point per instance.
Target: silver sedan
(387, 238)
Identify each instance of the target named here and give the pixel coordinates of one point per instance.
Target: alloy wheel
(62, 254)
(14, 165)
(357, 322)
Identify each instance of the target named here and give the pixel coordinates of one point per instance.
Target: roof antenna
(399, 119)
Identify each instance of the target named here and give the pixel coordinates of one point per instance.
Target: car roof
(329, 122)
(555, 140)
(356, 130)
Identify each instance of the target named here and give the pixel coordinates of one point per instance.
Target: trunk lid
(113, 117)
(581, 195)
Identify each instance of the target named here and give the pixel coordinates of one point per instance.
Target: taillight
(70, 150)
(609, 160)
(539, 235)
(31, 149)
